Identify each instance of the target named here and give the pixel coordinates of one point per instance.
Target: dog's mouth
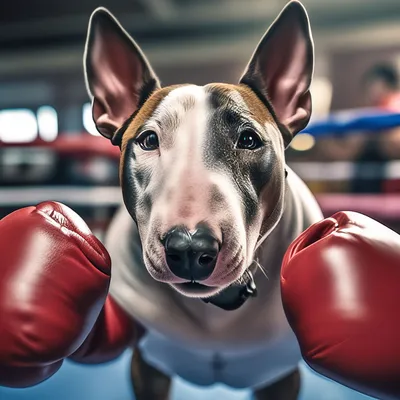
(194, 287)
(230, 298)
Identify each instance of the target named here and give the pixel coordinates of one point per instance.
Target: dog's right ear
(281, 69)
(118, 76)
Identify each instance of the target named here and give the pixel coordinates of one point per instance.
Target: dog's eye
(148, 141)
(249, 140)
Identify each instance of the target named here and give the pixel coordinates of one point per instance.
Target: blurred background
(49, 149)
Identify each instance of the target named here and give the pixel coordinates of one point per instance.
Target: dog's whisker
(261, 268)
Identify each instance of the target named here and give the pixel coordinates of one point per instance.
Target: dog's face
(203, 157)
(202, 167)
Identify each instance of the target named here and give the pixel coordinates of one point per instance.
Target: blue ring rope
(340, 123)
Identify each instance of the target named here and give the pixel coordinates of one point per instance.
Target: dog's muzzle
(193, 257)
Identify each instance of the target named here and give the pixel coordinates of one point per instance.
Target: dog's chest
(192, 321)
(259, 320)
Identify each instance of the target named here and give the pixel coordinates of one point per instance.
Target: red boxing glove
(340, 284)
(54, 280)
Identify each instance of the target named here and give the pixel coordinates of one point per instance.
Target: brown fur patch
(257, 108)
(142, 116)
(145, 112)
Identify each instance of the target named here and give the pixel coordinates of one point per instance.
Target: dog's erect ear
(281, 69)
(118, 76)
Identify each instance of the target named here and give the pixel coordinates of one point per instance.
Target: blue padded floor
(111, 382)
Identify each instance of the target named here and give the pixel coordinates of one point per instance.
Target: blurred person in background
(380, 86)
(370, 152)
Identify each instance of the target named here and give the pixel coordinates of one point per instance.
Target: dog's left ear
(281, 69)
(118, 76)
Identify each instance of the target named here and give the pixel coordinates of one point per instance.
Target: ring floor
(111, 382)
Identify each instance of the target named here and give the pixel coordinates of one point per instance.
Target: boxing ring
(381, 206)
(97, 200)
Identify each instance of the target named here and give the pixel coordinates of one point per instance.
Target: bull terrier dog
(210, 208)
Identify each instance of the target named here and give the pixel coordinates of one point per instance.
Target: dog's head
(202, 167)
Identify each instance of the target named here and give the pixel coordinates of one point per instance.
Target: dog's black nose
(191, 256)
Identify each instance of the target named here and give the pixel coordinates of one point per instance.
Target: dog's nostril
(206, 259)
